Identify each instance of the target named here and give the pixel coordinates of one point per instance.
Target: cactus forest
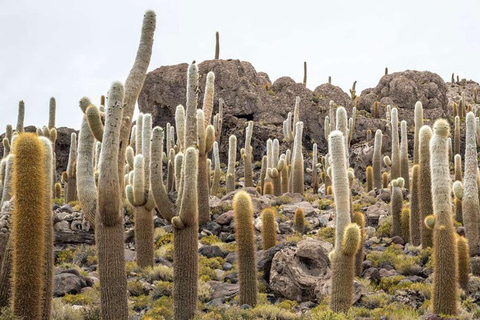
(207, 191)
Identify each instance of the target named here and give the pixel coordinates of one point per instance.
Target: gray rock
(62, 226)
(67, 283)
(223, 290)
(225, 218)
(211, 251)
(213, 227)
(308, 209)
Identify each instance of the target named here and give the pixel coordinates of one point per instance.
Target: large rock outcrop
(248, 95)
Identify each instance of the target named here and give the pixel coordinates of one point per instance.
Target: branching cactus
(232, 158)
(377, 160)
(395, 167)
(274, 174)
(28, 258)
(290, 124)
(418, 124)
(269, 228)
(396, 204)
(180, 127)
(218, 171)
(21, 116)
(415, 217)
(404, 154)
(347, 235)
(247, 155)
(296, 176)
(470, 194)
(425, 204)
(244, 234)
(206, 137)
(444, 297)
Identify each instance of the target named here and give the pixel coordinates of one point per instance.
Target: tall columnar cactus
(299, 220)
(376, 109)
(275, 151)
(217, 45)
(263, 172)
(218, 171)
(347, 235)
(94, 118)
(134, 84)
(396, 167)
(269, 153)
(51, 114)
(425, 204)
(369, 174)
(232, 158)
(305, 73)
(418, 124)
(463, 262)
(444, 297)
(458, 167)
(405, 224)
(289, 125)
(244, 234)
(28, 227)
(7, 183)
(274, 174)
(185, 241)
(247, 156)
(315, 182)
(415, 215)
(404, 154)
(456, 136)
(377, 160)
(359, 219)
(269, 228)
(458, 195)
(109, 231)
(296, 176)
(21, 116)
(396, 204)
(218, 120)
(180, 127)
(48, 266)
(206, 137)
(450, 149)
(385, 180)
(470, 199)
(71, 190)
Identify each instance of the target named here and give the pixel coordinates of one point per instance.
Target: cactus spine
(418, 124)
(463, 262)
(297, 161)
(404, 154)
(359, 219)
(299, 220)
(377, 160)
(415, 217)
(28, 259)
(396, 167)
(232, 155)
(244, 234)
(424, 184)
(347, 236)
(470, 199)
(444, 297)
(269, 229)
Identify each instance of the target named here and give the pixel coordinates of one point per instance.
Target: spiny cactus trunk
(203, 190)
(5, 271)
(377, 160)
(404, 155)
(425, 185)
(415, 218)
(343, 274)
(396, 166)
(144, 236)
(396, 210)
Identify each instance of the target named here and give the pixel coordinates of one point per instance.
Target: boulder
(67, 283)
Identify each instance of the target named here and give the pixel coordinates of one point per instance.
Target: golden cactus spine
(269, 229)
(359, 219)
(28, 259)
(369, 174)
(244, 234)
(405, 224)
(299, 221)
(463, 262)
(444, 297)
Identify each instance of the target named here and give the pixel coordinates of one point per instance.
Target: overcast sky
(71, 49)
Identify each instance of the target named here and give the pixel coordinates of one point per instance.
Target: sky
(70, 49)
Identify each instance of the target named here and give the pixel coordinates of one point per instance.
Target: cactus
(297, 179)
(418, 124)
(48, 266)
(206, 137)
(405, 224)
(359, 219)
(396, 204)
(218, 120)
(134, 84)
(58, 190)
(415, 215)
(244, 234)
(315, 182)
(28, 256)
(353, 91)
(458, 167)
(377, 159)
(463, 262)
(269, 154)
(180, 127)
(232, 155)
(94, 122)
(424, 184)
(385, 180)
(450, 149)
(269, 229)
(248, 156)
(263, 172)
(470, 204)
(185, 241)
(444, 297)
(458, 195)
(375, 109)
(274, 174)
(268, 188)
(456, 136)
(299, 220)
(7, 183)
(395, 170)
(347, 235)
(71, 190)
(218, 172)
(404, 154)
(305, 73)
(369, 178)
(21, 116)
(217, 45)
